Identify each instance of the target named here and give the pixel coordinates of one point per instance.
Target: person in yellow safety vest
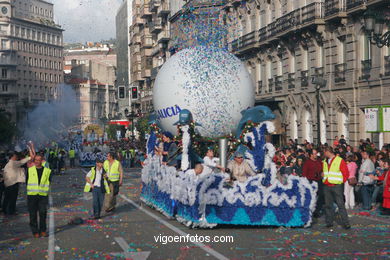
(335, 174)
(115, 177)
(72, 155)
(38, 185)
(97, 183)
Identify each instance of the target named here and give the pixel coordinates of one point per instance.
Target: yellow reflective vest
(87, 187)
(72, 153)
(113, 171)
(334, 174)
(34, 187)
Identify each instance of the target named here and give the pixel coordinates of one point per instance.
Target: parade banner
(386, 118)
(372, 119)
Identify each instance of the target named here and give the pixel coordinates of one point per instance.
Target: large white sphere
(212, 83)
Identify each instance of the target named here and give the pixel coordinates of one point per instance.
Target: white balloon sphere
(211, 83)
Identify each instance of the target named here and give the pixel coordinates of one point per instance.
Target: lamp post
(374, 23)
(319, 82)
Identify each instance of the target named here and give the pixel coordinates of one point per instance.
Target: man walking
(72, 155)
(38, 184)
(97, 183)
(13, 175)
(312, 170)
(114, 172)
(335, 174)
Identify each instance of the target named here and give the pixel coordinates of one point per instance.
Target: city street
(130, 232)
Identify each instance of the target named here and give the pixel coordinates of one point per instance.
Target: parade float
(208, 92)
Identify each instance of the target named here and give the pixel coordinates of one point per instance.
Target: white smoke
(50, 121)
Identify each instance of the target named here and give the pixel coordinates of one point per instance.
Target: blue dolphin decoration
(256, 114)
(153, 119)
(185, 118)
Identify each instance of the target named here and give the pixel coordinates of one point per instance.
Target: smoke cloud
(50, 121)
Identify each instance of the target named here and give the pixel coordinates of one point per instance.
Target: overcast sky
(86, 20)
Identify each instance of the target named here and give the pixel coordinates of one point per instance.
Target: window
(305, 59)
(4, 44)
(4, 73)
(366, 48)
(5, 87)
(341, 54)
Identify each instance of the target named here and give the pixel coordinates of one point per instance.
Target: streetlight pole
(319, 82)
(318, 115)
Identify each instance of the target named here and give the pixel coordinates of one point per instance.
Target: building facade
(149, 37)
(91, 70)
(285, 43)
(123, 23)
(31, 55)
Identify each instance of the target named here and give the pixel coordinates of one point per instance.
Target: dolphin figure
(255, 114)
(185, 118)
(153, 119)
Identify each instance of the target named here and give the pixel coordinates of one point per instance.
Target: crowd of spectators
(365, 162)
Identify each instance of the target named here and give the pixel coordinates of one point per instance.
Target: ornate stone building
(31, 55)
(149, 35)
(285, 43)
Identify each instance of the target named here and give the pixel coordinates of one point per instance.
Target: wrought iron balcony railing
(333, 7)
(278, 83)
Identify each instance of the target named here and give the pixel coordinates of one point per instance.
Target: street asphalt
(130, 232)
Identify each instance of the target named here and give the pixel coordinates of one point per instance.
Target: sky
(86, 20)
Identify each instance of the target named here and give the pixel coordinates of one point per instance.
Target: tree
(7, 127)
(143, 127)
(111, 130)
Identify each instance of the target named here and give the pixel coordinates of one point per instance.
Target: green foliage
(111, 130)
(143, 127)
(7, 128)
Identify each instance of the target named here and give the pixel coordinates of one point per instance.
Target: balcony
(339, 72)
(7, 61)
(318, 71)
(245, 43)
(137, 76)
(154, 72)
(135, 49)
(146, 73)
(352, 4)
(156, 49)
(387, 65)
(163, 10)
(145, 52)
(291, 81)
(366, 69)
(285, 23)
(313, 13)
(137, 20)
(156, 25)
(335, 8)
(259, 89)
(263, 34)
(304, 78)
(144, 11)
(136, 39)
(146, 41)
(278, 83)
(154, 5)
(163, 36)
